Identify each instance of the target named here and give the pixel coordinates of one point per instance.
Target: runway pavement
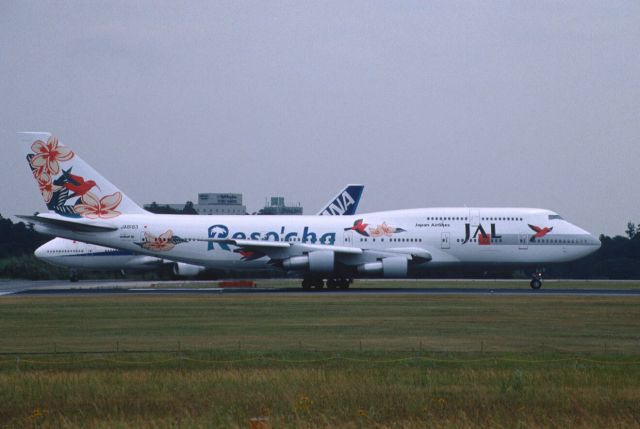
(288, 287)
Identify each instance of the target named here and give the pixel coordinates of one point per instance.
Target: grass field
(320, 361)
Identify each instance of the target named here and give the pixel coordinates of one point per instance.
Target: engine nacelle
(296, 263)
(181, 269)
(393, 267)
(370, 268)
(322, 261)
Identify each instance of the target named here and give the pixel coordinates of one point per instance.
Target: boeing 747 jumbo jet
(84, 206)
(77, 255)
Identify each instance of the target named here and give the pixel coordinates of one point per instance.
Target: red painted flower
(162, 243)
(47, 188)
(381, 230)
(93, 207)
(384, 230)
(48, 156)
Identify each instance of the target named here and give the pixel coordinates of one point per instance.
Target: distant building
(278, 207)
(222, 204)
(208, 204)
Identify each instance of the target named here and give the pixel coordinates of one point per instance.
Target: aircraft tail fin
(69, 186)
(345, 203)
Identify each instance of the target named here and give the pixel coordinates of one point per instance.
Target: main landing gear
(536, 281)
(318, 283)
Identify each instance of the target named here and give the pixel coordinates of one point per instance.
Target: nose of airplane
(592, 242)
(41, 251)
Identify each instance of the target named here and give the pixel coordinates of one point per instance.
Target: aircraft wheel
(306, 284)
(319, 283)
(332, 283)
(345, 283)
(73, 276)
(536, 284)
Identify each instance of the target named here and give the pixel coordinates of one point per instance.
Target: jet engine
(322, 261)
(181, 269)
(388, 267)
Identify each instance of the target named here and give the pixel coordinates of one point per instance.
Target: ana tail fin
(345, 203)
(69, 186)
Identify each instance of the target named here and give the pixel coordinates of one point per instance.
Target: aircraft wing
(266, 246)
(278, 251)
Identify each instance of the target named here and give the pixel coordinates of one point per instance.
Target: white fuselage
(452, 236)
(84, 256)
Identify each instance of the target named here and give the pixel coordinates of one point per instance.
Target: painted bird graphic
(539, 232)
(76, 184)
(249, 255)
(360, 227)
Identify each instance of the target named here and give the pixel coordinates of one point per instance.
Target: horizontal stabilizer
(69, 225)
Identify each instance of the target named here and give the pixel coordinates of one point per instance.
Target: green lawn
(320, 361)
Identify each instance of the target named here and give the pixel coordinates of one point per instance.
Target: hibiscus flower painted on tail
(69, 186)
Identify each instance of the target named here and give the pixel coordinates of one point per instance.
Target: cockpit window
(552, 217)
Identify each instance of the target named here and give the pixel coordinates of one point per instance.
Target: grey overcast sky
(533, 104)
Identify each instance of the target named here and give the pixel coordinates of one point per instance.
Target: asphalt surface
(124, 287)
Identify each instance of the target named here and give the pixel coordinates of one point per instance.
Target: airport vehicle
(84, 206)
(77, 255)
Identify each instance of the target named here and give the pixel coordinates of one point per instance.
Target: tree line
(617, 258)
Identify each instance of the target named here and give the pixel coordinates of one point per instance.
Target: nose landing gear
(536, 281)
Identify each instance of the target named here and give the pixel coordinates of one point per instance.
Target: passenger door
(444, 240)
(474, 217)
(523, 243)
(348, 238)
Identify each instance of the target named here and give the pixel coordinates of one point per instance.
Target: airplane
(77, 255)
(85, 206)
